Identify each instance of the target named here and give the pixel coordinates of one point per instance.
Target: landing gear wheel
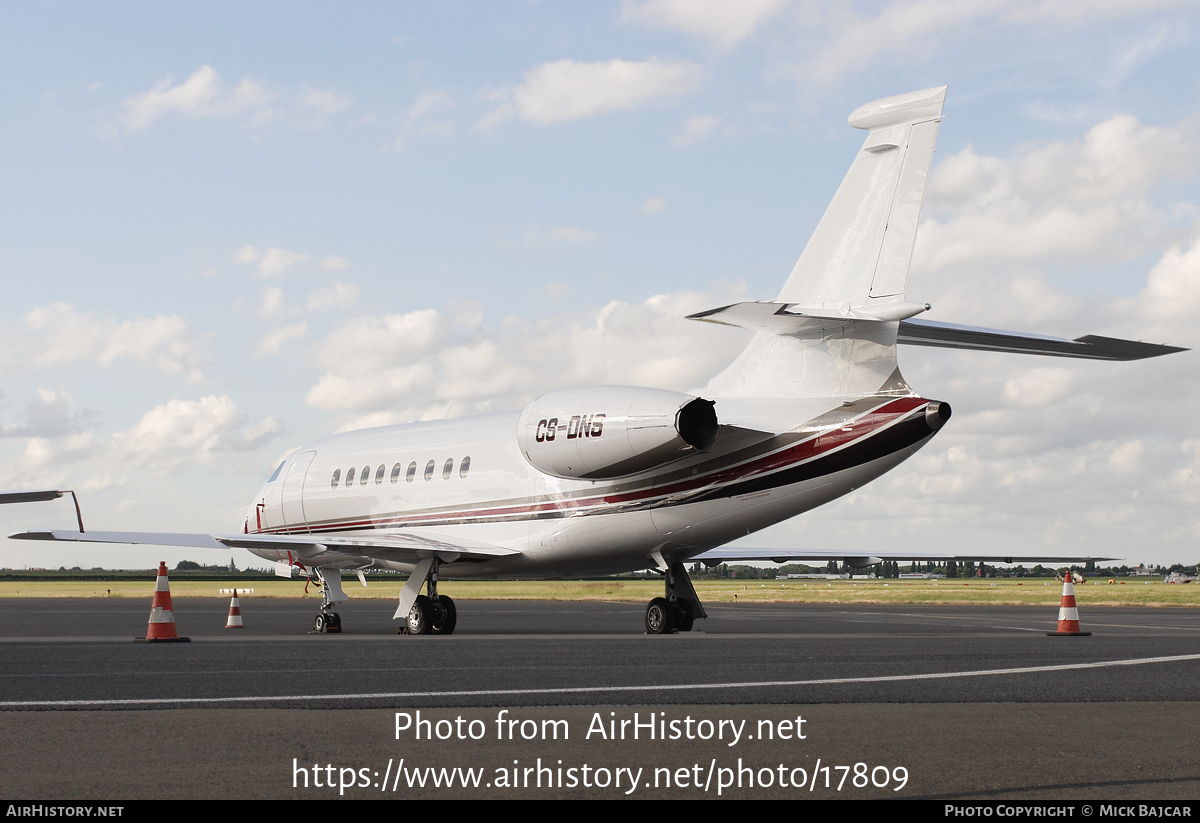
(418, 616)
(327, 623)
(443, 615)
(684, 616)
(658, 616)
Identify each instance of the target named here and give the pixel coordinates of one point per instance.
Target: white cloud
(396, 368)
(170, 437)
(183, 432)
(246, 255)
(1086, 201)
(430, 101)
(49, 414)
(255, 103)
(1039, 386)
(565, 90)
(1172, 292)
(695, 129)
(856, 40)
(272, 343)
(200, 96)
(315, 106)
(913, 29)
(272, 263)
(725, 22)
(424, 118)
(325, 101)
(654, 205)
(1034, 11)
(338, 296)
(56, 335)
(333, 264)
(573, 235)
(275, 261)
(252, 102)
(537, 237)
(272, 304)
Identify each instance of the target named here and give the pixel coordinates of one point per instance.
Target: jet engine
(602, 432)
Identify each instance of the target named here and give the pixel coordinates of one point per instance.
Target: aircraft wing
(402, 546)
(1088, 347)
(728, 554)
(31, 497)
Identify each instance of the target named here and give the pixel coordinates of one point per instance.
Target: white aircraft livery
(608, 479)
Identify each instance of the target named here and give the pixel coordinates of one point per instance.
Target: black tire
(320, 625)
(333, 623)
(684, 617)
(659, 616)
(417, 621)
(443, 615)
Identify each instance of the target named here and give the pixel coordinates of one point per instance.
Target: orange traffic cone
(1068, 615)
(235, 613)
(162, 618)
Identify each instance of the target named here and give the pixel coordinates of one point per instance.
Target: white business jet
(607, 479)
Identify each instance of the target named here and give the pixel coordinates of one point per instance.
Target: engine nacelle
(602, 432)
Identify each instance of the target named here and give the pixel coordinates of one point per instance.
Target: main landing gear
(430, 613)
(328, 621)
(679, 608)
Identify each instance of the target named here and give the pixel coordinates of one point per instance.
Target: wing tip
(32, 535)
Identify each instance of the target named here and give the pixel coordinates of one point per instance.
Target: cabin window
(366, 475)
(448, 469)
(349, 478)
(412, 471)
(429, 470)
(379, 474)
(275, 474)
(464, 467)
(396, 473)
(337, 475)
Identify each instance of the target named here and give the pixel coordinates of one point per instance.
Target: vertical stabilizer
(854, 267)
(861, 249)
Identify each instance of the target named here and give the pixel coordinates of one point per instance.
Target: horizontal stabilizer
(791, 318)
(731, 554)
(1089, 347)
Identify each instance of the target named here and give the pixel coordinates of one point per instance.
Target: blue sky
(229, 230)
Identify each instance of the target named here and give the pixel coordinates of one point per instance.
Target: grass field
(982, 592)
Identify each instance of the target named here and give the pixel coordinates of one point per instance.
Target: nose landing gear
(328, 621)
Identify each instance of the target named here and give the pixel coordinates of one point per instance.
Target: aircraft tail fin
(860, 252)
(832, 330)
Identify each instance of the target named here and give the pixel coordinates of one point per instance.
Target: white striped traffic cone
(162, 617)
(1068, 614)
(235, 613)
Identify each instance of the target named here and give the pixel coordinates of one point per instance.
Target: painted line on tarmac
(833, 681)
(958, 617)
